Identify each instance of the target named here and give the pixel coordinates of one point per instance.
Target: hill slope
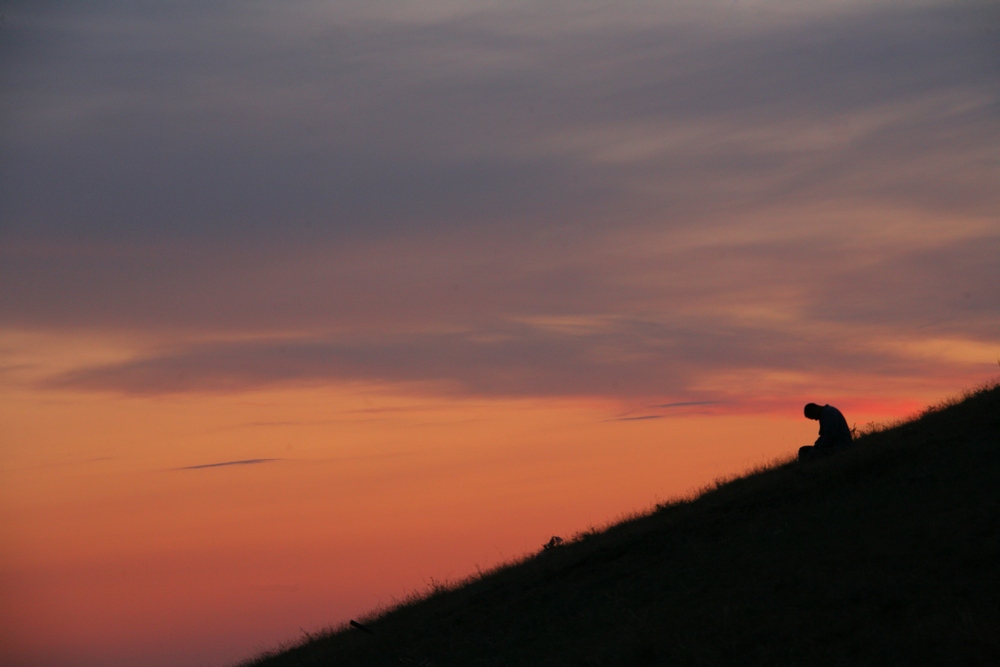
(886, 554)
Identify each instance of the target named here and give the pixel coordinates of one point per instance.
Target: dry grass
(883, 554)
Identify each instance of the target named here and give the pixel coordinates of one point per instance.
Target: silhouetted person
(834, 433)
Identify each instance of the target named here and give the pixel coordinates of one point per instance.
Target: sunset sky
(437, 280)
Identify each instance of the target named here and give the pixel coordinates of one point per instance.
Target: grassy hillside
(886, 554)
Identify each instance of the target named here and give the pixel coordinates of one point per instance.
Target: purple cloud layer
(505, 200)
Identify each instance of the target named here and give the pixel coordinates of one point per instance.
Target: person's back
(834, 433)
(833, 428)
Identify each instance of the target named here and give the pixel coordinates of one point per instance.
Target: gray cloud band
(338, 126)
(630, 358)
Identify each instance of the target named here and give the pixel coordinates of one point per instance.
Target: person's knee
(806, 452)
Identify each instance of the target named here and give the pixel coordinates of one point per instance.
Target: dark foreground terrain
(886, 554)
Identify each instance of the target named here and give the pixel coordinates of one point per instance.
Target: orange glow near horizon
(121, 531)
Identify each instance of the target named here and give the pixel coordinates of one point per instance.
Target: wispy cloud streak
(227, 463)
(686, 404)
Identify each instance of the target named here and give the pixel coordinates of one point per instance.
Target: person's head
(812, 411)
